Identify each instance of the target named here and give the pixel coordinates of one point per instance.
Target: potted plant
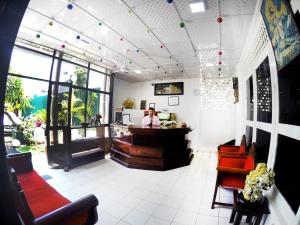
(128, 103)
(256, 182)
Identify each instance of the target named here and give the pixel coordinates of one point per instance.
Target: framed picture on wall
(173, 100)
(282, 30)
(143, 104)
(152, 105)
(175, 88)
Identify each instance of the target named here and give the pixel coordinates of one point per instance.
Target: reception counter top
(153, 148)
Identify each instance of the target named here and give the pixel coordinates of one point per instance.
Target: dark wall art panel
(289, 93)
(264, 92)
(263, 139)
(286, 170)
(249, 135)
(250, 101)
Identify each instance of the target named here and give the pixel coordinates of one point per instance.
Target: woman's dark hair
(151, 108)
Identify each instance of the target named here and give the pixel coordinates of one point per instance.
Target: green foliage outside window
(15, 98)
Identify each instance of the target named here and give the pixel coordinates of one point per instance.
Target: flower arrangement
(258, 180)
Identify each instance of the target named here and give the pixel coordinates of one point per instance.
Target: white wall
(210, 127)
(251, 58)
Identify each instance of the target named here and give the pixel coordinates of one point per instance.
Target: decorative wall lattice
(260, 41)
(216, 94)
(264, 92)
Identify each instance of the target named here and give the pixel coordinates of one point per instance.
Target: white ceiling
(144, 25)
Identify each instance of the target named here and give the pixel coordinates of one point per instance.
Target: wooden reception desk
(153, 148)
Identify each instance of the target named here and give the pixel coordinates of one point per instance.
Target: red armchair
(232, 172)
(232, 149)
(40, 204)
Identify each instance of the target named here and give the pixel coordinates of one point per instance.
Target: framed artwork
(282, 30)
(143, 104)
(235, 83)
(173, 100)
(152, 105)
(175, 88)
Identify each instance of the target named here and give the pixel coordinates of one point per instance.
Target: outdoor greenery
(15, 98)
(78, 101)
(42, 115)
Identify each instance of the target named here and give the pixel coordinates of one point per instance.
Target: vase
(243, 201)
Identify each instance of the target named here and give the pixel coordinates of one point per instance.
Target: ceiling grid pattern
(135, 31)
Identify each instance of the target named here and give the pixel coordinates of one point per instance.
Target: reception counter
(153, 148)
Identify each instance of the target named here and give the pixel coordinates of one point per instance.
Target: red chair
(232, 149)
(232, 172)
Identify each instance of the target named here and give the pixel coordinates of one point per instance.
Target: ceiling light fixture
(197, 6)
(138, 71)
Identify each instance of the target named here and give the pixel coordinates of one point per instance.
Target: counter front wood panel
(153, 148)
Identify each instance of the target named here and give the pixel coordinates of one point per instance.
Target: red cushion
(232, 181)
(42, 198)
(231, 162)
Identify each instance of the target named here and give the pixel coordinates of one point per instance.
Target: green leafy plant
(15, 98)
(41, 115)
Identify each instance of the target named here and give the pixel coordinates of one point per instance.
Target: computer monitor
(164, 116)
(118, 117)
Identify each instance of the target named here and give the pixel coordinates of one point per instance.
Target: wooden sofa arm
(229, 155)
(229, 148)
(58, 217)
(20, 162)
(233, 155)
(232, 170)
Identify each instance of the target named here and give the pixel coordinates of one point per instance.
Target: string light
(38, 35)
(70, 6)
(220, 19)
(181, 24)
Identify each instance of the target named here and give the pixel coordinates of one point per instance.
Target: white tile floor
(129, 196)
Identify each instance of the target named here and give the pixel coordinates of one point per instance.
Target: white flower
(259, 179)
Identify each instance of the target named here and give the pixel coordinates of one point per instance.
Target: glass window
(72, 73)
(97, 81)
(28, 63)
(59, 104)
(78, 106)
(25, 100)
(93, 107)
(108, 83)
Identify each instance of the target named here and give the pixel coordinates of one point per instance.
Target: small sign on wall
(173, 100)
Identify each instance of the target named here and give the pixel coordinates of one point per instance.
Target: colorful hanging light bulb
(70, 6)
(220, 19)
